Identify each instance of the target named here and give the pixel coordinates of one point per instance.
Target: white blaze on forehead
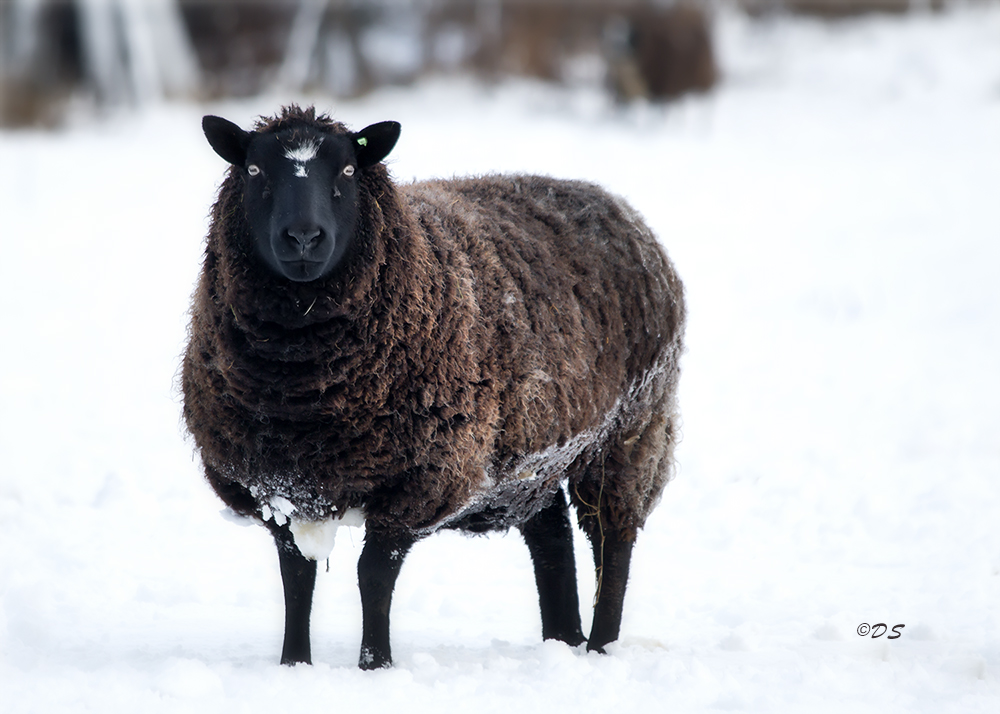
(303, 153)
(306, 151)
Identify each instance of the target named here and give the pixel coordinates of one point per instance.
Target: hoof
(369, 666)
(372, 659)
(572, 640)
(291, 662)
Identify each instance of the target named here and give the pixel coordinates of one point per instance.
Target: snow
(282, 505)
(832, 210)
(315, 539)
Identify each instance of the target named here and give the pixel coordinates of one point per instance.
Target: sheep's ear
(373, 143)
(229, 141)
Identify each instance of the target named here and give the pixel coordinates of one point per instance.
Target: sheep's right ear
(229, 141)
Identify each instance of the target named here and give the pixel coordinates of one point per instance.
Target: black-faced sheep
(443, 354)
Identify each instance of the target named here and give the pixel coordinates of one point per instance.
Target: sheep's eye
(348, 170)
(253, 169)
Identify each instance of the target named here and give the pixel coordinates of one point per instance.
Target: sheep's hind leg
(298, 578)
(549, 536)
(378, 568)
(602, 515)
(612, 555)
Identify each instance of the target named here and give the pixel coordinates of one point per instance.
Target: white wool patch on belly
(315, 539)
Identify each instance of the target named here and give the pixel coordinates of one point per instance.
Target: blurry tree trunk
(141, 51)
(104, 64)
(303, 44)
(19, 38)
(158, 41)
(346, 69)
(489, 27)
(136, 49)
(23, 69)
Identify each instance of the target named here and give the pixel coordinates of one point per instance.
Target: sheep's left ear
(373, 143)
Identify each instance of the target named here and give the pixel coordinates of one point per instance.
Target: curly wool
(484, 339)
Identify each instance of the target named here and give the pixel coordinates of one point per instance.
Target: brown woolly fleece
(488, 339)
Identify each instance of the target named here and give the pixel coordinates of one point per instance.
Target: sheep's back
(581, 302)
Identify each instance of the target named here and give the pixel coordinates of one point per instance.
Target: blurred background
(105, 53)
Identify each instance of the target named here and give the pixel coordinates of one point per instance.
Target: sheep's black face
(300, 199)
(301, 190)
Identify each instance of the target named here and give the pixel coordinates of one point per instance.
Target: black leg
(612, 555)
(378, 568)
(549, 536)
(298, 577)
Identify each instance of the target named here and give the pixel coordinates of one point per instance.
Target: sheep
(447, 354)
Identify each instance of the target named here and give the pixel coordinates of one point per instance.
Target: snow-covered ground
(833, 209)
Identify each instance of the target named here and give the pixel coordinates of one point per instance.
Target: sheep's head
(300, 189)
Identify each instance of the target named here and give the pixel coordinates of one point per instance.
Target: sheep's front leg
(549, 536)
(612, 555)
(298, 577)
(378, 568)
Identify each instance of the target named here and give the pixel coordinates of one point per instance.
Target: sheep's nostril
(305, 237)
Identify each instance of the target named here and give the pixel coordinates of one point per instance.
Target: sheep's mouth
(302, 271)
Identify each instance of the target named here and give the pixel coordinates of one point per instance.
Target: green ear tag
(362, 141)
